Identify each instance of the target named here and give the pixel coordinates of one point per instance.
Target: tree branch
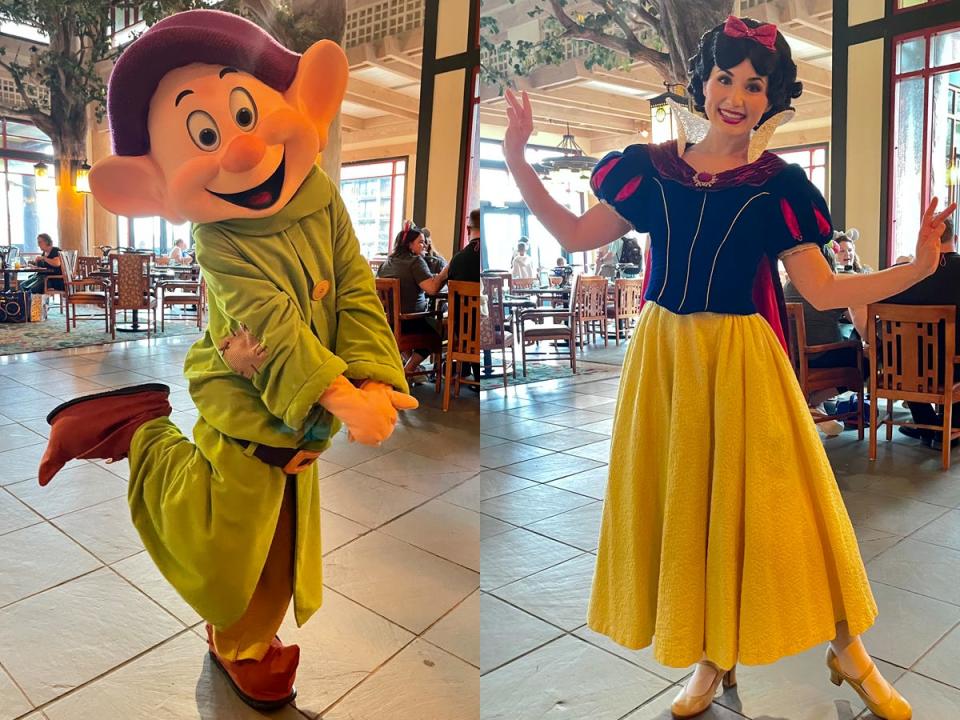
(619, 20)
(646, 17)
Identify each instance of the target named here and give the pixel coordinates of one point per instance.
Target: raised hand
(928, 239)
(520, 127)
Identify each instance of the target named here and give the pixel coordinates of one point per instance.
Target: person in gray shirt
(407, 264)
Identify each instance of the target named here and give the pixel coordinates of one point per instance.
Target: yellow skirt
(723, 529)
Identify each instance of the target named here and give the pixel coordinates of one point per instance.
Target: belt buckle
(301, 461)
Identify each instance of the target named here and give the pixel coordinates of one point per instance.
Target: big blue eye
(243, 109)
(203, 130)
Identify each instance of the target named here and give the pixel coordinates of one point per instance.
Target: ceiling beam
(381, 98)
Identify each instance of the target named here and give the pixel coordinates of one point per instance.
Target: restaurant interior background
(381, 119)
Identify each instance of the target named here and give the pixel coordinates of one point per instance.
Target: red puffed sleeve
(799, 214)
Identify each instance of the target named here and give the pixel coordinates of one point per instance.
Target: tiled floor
(89, 630)
(543, 447)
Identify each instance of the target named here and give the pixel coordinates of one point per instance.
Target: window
(505, 217)
(374, 195)
(24, 211)
(813, 160)
(151, 233)
(911, 4)
(925, 138)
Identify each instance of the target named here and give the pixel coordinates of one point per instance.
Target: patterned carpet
(540, 371)
(51, 334)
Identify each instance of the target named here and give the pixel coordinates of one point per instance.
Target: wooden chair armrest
(86, 282)
(416, 315)
(544, 312)
(179, 285)
(854, 344)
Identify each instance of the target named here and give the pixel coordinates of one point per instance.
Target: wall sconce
(83, 178)
(663, 124)
(42, 174)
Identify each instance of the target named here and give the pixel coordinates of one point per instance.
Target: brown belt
(291, 460)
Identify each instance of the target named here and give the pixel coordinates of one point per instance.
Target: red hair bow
(407, 225)
(764, 33)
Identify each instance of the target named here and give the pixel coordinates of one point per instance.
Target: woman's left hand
(928, 239)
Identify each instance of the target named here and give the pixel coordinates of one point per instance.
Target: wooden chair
(84, 291)
(499, 336)
(908, 362)
(813, 380)
(566, 329)
(626, 306)
(555, 280)
(388, 290)
(131, 288)
(590, 303)
(524, 283)
(186, 293)
(463, 335)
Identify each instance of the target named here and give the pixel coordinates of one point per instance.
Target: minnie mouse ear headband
(852, 235)
(764, 33)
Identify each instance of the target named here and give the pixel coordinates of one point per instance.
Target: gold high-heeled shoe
(688, 706)
(893, 708)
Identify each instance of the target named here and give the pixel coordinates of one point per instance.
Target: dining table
(10, 271)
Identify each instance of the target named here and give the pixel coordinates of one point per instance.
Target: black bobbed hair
(721, 50)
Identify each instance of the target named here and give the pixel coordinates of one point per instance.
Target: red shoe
(265, 684)
(100, 427)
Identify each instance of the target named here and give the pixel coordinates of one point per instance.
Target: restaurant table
(7, 272)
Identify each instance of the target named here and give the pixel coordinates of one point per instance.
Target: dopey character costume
(214, 122)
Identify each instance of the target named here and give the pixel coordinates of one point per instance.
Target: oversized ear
(132, 186)
(320, 85)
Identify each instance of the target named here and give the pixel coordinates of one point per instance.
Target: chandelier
(570, 170)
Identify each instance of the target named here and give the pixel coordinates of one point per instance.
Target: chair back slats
(591, 297)
(388, 290)
(907, 345)
(628, 298)
(524, 283)
(797, 338)
(463, 321)
(86, 265)
(494, 290)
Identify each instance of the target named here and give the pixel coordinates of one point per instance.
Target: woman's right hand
(928, 239)
(520, 127)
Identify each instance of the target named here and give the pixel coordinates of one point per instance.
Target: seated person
(465, 266)
(940, 288)
(178, 253)
(407, 264)
(822, 327)
(847, 259)
(435, 261)
(49, 261)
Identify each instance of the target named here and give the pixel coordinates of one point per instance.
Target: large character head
(211, 119)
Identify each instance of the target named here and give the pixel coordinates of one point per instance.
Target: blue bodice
(710, 234)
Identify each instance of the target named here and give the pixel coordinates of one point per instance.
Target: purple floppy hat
(195, 36)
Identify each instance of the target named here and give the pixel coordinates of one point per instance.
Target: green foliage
(507, 59)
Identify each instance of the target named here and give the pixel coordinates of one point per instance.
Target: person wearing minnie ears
(724, 538)
(214, 122)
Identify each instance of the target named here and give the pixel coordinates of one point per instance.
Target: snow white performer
(725, 541)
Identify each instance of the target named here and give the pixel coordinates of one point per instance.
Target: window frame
(395, 222)
(926, 73)
(810, 149)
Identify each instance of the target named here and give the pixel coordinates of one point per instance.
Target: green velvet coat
(207, 511)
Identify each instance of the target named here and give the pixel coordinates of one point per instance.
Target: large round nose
(243, 153)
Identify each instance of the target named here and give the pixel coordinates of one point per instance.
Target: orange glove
(369, 417)
(398, 400)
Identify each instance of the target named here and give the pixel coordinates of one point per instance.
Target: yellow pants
(249, 637)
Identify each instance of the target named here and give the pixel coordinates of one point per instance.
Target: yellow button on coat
(321, 289)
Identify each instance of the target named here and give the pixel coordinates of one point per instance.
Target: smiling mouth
(731, 117)
(260, 197)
